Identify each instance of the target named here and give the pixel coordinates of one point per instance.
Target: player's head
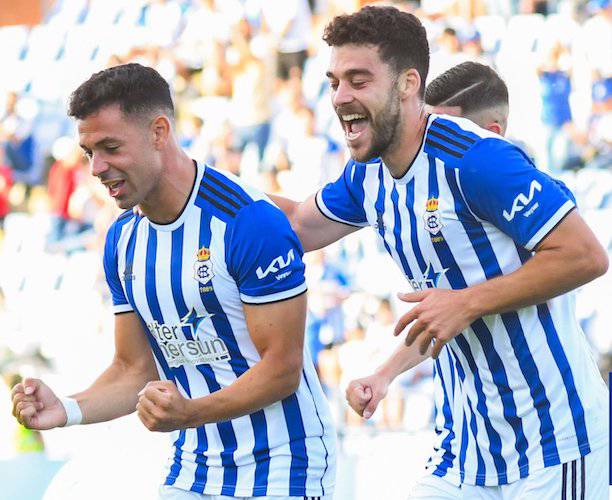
(379, 64)
(125, 117)
(475, 88)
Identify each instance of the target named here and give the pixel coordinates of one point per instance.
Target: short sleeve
(111, 271)
(264, 255)
(342, 200)
(503, 187)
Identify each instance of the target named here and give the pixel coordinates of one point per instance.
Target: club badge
(203, 269)
(432, 218)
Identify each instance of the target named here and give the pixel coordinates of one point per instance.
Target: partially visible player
(477, 92)
(208, 288)
(491, 245)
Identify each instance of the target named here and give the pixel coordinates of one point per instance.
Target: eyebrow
(103, 142)
(351, 72)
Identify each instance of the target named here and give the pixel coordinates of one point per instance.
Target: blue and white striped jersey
(472, 207)
(187, 281)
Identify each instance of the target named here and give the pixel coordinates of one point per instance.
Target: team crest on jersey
(203, 268)
(432, 217)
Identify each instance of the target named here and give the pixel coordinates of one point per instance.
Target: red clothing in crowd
(6, 182)
(63, 180)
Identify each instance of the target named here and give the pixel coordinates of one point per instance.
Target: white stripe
(552, 222)
(121, 308)
(274, 297)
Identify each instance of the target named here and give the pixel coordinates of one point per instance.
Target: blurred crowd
(251, 97)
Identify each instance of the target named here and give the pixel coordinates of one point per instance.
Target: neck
(399, 157)
(174, 188)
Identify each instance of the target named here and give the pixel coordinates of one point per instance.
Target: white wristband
(73, 411)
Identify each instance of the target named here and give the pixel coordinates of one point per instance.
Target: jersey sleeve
(111, 271)
(503, 187)
(342, 200)
(264, 255)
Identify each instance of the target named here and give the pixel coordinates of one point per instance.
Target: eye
(111, 149)
(87, 154)
(333, 85)
(358, 84)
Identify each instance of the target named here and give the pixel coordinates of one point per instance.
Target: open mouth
(354, 124)
(115, 187)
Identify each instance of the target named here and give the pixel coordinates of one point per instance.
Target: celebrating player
(491, 245)
(204, 301)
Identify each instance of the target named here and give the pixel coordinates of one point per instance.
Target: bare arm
(277, 330)
(112, 395)
(314, 230)
(115, 392)
(567, 258)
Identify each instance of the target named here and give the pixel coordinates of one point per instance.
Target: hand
(439, 314)
(364, 394)
(162, 408)
(35, 406)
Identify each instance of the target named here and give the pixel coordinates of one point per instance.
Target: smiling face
(122, 154)
(366, 99)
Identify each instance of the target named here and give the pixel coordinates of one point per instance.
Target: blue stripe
(464, 428)
(413, 226)
(129, 259)
(558, 354)
(448, 457)
(297, 445)
(481, 471)
(322, 429)
(231, 188)
(357, 186)
(397, 233)
(239, 365)
(379, 206)
(176, 273)
(451, 129)
(488, 261)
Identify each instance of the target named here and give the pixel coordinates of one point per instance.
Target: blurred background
(251, 95)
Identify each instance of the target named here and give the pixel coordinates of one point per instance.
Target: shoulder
(115, 229)
(452, 139)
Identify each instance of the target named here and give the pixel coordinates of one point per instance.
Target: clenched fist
(36, 406)
(161, 407)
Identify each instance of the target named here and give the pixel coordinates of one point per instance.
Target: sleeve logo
(276, 265)
(521, 202)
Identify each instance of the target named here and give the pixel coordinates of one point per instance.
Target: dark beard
(384, 129)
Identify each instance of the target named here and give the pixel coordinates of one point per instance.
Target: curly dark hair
(137, 89)
(400, 37)
(472, 86)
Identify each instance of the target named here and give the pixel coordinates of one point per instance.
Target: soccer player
(492, 247)
(208, 290)
(474, 91)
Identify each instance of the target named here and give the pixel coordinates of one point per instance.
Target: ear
(160, 130)
(494, 127)
(409, 83)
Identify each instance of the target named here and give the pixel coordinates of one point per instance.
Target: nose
(342, 95)
(97, 165)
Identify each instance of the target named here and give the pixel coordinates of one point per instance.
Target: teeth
(354, 116)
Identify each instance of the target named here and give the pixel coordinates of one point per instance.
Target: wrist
(473, 304)
(385, 373)
(194, 413)
(74, 415)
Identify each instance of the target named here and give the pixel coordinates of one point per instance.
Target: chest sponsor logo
(276, 265)
(182, 344)
(203, 268)
(432, 217)
(522, 201)
(430, 279)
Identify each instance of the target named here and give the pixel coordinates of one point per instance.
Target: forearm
(262, 385)
(114, 393)
(546, 275)
(403, 358)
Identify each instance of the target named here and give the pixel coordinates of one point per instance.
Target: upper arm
(574, 238)
(503, 187)
(277, 330)
(132, 350)
(314, 229)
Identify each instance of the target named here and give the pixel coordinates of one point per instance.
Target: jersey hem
(547, 228)
(256, 491)
(331, 216)
(275, 297)
(122, 308)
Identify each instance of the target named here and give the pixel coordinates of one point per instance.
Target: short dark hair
(137, 89)
(400, 37)
(470, 85)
